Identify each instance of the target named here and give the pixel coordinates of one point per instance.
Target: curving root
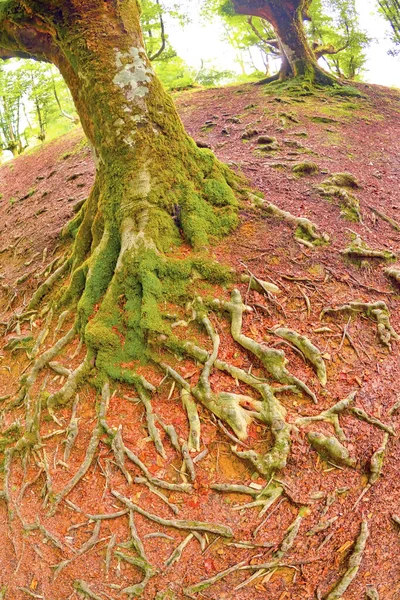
(311, 352)
(331, 415)
(329, 448)
(393, 273)
(352, 566)
(39, 364)
(141, 561)
(259, 285)
(360, 249)
(306, 232)
(150, 420)
(48, 284)
(221, 530)
(83, 588)
(273, 360)
(339, 187)
(371, 593)
(69, 389)
(194, 421)
(377, 311)
(269, 410)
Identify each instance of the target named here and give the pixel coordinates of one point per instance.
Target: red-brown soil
(39, 191)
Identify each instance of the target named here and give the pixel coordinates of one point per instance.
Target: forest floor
(39, 193)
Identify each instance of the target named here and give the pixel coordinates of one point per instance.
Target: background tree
(247, 35)
(391, 11)
(336, 36)
(287, 19)
(12, 90)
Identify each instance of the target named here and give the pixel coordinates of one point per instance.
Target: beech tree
(391, 11)
(287, 18)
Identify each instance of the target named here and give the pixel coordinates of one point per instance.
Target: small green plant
(12, 200)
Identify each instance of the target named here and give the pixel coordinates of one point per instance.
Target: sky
(196, 42)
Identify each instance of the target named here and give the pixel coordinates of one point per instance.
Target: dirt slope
(360, 136)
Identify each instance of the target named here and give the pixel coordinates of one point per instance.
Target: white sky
(196, 42)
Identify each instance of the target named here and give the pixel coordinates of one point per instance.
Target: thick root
(338, 186)
(306, 232)
(378, 311)
(311, 352)
(221, 530)
(393, 273)
(331, 415)
(386, 218)
(352, 566)
(360, 249)
(274, 361)
(330, 449)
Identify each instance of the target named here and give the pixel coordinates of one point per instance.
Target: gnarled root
(274, 361)
(329, 448)
(331, 415)
(393, 273)
(338, 186)
(306, 232)
(378, 311)
(360, 249)
(311, 352)
(352, 566)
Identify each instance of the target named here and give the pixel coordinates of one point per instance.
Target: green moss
(305, 168)
(346, 180)
(219, 193)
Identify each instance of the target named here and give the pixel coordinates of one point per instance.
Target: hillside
(289, 147)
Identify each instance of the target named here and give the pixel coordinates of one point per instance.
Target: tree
(287, 18)
(337, 37)
(153, 185)
(391, 11)
(12, 90)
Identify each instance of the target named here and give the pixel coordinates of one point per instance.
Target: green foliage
(12, 90)
(335, 23)
(390, 9)
(34, 101)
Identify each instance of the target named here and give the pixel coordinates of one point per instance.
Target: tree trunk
(287, 18)
(154, 188)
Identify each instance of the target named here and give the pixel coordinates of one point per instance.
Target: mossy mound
(302, 169)
(346, 180)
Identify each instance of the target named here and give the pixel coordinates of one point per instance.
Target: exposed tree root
(274, 361)
(259, 285)
(306, 232)
(83, 588)
(194, 421)
(393, 273)
(377, 311)
(48, 285)
(185, 525)
(330, 449)
(363, 416)
(150, 420)
(386, 218)
(177, 553)
(263, 567)
(352, 566)
(360, 249)
(331, 415)
(338, 186)
(311, 352)
(371, 592)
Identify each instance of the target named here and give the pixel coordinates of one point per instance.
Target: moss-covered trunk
(287, 18)
(154, 188)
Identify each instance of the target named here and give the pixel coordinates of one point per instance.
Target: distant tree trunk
(287, 18)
